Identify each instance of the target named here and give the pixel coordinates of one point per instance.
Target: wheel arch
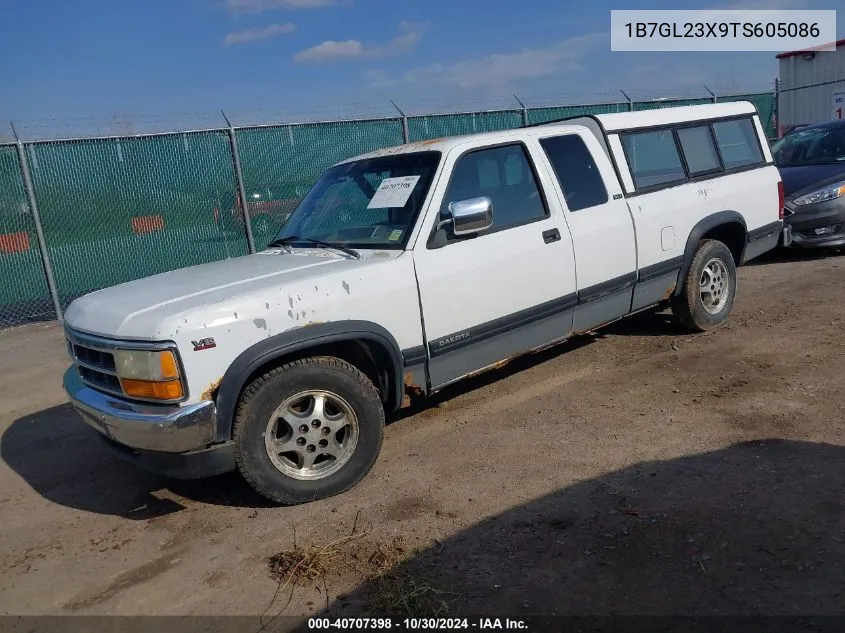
(366, 345)
(726, 226)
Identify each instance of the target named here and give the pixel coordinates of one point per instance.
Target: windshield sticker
(393, 192)
(394, 236)
(379, 233)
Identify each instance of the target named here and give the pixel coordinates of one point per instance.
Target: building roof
(807, 50)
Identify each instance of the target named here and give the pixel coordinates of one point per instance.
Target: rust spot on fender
(667, 295)
(412, 391)
(208, 394)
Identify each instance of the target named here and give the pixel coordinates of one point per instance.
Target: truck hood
(134, 309)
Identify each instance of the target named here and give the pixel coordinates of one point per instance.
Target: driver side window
(505, 175)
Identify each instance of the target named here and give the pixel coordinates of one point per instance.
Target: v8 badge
(206, 343)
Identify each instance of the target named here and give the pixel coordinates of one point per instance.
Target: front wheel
(709, 289)
(308, 430)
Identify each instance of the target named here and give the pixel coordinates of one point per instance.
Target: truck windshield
(811, 146)
(369, 203)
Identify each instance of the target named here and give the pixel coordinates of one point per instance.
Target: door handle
(552, 235)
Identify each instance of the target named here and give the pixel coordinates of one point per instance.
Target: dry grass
(390, 588)
(402, 593)
(301, 567)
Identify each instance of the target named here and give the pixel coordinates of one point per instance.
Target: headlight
(147, 374)
(828, 193)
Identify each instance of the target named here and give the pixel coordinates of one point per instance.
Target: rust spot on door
(497, 365)
(668, 293)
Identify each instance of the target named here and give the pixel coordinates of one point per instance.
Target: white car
(410, 268)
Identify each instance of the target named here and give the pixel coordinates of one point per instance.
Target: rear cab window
(576, 171)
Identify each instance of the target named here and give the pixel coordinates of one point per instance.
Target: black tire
(688, 306)
(259, 400)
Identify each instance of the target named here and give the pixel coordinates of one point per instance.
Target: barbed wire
(130, 124)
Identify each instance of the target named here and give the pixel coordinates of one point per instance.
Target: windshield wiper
(290, 239)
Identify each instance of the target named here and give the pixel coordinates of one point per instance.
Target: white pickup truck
(410, 268)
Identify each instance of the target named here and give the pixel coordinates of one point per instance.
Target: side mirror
(469, 216)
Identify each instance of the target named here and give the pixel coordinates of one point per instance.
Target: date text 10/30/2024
(417, 624)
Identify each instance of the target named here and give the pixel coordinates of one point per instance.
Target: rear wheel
(709, 289)
(308, 430)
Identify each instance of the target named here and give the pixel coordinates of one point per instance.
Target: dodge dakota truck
(409, 268)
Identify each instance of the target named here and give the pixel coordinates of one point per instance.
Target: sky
(71, 65)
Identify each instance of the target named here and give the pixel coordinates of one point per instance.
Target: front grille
(96, 366)
(108, 382)
(94, 358)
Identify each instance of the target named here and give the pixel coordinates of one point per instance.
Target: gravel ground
(641, 470)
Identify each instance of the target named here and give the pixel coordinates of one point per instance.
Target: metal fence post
(524, 111)
(776, 107)
(39, 230)
(630, 102)
(239, 176)
(712, 94)
(405, 133)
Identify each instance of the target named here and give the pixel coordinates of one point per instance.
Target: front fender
(295, 341)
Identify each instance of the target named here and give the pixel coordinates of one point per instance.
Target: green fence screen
(280, 163)
(116, 209)
(23, 288)
(543, 115)
(421, 128)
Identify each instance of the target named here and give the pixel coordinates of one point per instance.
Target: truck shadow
(63, 460)
(752, 529)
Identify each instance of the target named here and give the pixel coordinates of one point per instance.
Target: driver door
(506, 290)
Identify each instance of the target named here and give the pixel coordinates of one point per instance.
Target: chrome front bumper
(163, 428)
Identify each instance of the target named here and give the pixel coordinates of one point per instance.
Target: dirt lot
(638, 471)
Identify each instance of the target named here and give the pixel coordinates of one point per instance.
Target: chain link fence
(281, 163)
(114, 209)
(23, 292)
